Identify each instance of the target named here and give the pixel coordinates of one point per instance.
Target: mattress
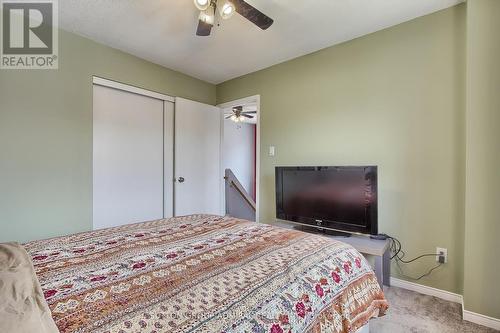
(205, 273)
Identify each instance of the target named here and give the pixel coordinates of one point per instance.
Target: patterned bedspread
(205, 273)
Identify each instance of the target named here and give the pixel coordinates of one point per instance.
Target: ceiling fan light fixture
(202, 4)
(207, 16)
(227, 9)
(237, 119)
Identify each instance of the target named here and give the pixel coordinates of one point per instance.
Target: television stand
(336, 233)
(379, 249)
(323, 231)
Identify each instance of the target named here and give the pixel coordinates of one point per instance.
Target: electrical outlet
(443, 252)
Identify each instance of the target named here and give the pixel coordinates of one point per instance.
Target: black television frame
(371, 225)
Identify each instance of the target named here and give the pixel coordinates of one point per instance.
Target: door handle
(181, 180)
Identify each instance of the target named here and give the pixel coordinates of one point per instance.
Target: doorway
(240, 144)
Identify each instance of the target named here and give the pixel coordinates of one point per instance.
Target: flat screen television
(339, 198)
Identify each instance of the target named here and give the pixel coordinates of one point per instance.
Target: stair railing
(239, 203)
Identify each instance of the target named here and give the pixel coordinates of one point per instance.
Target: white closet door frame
(126, 87)
(168, 137)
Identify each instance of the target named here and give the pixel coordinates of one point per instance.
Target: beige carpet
(416, 313)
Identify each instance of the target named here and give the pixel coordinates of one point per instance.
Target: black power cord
(396, 250)
(421, 276)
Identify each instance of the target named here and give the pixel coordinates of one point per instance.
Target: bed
(204, 273)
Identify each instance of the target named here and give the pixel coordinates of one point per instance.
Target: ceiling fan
(238, 115)
(226, 8)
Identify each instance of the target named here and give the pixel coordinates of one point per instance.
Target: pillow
(23, 308)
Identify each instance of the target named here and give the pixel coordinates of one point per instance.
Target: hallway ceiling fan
(238, 115)
(226, 8)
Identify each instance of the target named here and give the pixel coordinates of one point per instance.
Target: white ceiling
(163, 31)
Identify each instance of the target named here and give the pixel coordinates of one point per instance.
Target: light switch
(272, 151)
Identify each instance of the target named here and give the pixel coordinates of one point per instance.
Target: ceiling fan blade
(250, 112)
(229, 117)
(246, 116)
(253, 14)
(203, 29)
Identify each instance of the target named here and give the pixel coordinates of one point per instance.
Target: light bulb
(207, 16)
(202, 4)
(227, 9)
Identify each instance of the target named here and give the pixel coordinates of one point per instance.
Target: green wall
(420, 100)
(395, 99)
(46, 134)
(482, 227)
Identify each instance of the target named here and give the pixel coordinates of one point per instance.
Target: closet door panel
(128, 158)
(168, 146)
(197, 158)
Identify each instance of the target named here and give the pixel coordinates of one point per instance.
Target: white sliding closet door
(168, 159)
(197, 158)
(132, 157)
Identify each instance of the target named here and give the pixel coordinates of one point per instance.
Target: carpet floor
(416, 313)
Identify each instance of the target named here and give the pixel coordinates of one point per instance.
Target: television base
(318, 230)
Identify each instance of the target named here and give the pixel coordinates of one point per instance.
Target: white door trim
(135, 90)
(246, 100)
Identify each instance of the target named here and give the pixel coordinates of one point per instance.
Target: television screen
(340, 198)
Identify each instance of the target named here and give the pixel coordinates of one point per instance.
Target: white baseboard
(473, 317)
(480, 319)
(439, 293)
